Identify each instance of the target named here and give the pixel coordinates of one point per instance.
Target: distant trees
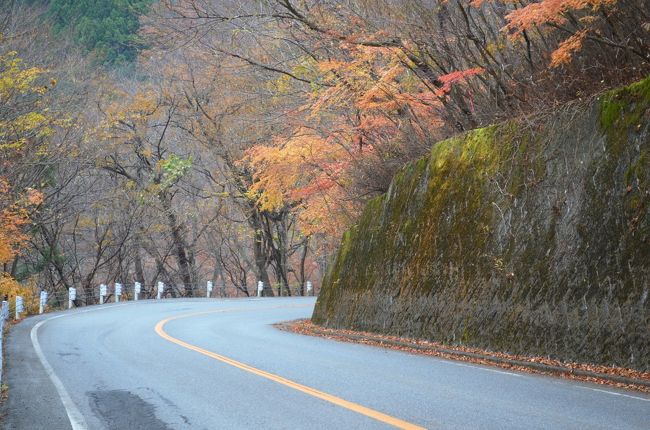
(25, 125)
(142, 150)
(365, 86)
(224, 123)
(244, 155)
(106, 28)
(64, 239)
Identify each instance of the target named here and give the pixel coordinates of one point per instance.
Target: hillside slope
(530, 237)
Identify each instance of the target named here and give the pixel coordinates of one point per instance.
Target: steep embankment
(531, 237)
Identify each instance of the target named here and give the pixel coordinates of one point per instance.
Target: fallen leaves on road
(613, 376)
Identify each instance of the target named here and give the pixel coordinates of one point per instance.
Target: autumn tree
(243, 155)
(25, 126)
(141, 131)
(214, 112)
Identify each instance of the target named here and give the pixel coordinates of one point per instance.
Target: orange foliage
(23, 128)
(366, 104)
(554, 12)
(452, 78)
(562, 55)
(549, 11)
(304, 171)
(14, 215)
(380, 82)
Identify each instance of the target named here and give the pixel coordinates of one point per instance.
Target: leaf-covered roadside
(613, 376)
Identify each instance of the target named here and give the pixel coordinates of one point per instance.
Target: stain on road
(119, 409)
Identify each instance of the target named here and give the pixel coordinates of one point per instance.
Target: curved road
(219, 364)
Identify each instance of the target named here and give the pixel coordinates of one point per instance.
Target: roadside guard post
(118, 292)
(5, 310)
(102, 293)
(209, 289)
(136, 291)
(42, 302)
(310, 288)
(72, 296)
(260, 288)
(19, 306)
(161, 287)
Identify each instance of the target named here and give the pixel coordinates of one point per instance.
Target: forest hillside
(187, 141)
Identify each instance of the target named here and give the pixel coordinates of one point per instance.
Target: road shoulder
(23, 372)
(622, 378)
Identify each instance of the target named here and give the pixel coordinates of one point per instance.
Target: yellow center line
(379, 416)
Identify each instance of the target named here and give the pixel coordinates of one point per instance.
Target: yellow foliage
(128, 114)
(6, 248)
(16, 80)
(23, 121)
(86, 223)
(10, 288)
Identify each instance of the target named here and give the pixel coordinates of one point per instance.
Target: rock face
(529, 237)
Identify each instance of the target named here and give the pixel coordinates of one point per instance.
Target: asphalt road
(219, 364)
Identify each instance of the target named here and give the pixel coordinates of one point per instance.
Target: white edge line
(486, 369)
(77, 420)
(75, 416)
(613, 393)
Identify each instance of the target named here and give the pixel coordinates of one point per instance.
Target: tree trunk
(139, 269)
(280, 252)
(14, 267)
(218, 274)
(303, 258)
(180, 246)
(259, 253)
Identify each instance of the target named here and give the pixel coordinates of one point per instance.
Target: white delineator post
(161, 287)
(310, 287)
(5, 310)
(19, 306)
(209, 289)
(42, 302)
(72, 296)
(118, 292)
(260, 288)
(102, 293)
(136, 290)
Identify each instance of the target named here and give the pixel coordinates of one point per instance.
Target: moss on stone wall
(527, 237)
